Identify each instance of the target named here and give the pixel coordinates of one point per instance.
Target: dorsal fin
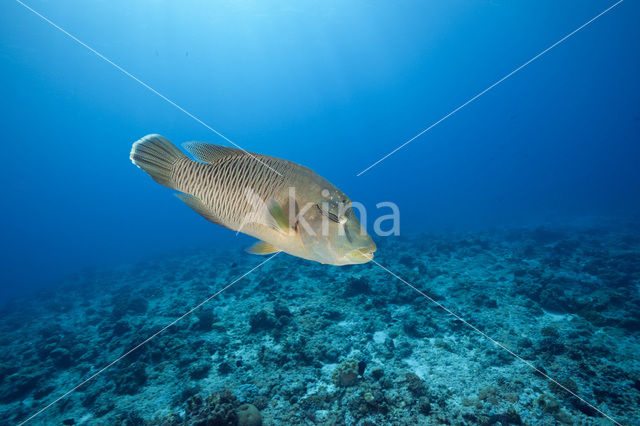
(208, 152)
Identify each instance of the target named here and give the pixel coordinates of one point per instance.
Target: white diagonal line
(490, 87)
(128, 74)
(103, 369)
(482, 333)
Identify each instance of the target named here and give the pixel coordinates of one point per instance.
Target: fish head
(331, 232)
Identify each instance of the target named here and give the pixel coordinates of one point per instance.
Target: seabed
(297, 342)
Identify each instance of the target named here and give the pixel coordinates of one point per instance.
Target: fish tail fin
(156, 155)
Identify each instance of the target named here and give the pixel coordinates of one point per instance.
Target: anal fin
(263, 248)
(196, 204)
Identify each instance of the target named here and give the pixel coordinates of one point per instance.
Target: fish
(286, 206)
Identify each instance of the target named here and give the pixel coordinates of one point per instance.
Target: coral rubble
(301, 343)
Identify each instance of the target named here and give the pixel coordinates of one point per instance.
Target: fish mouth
(361, 255)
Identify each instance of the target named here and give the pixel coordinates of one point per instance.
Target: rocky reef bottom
(297, 342)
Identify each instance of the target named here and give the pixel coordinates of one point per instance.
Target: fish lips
(361, 255)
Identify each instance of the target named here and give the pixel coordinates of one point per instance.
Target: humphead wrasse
(288, 207)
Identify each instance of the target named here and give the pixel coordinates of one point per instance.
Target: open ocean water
(493, 149)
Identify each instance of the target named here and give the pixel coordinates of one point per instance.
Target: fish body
(287, 206)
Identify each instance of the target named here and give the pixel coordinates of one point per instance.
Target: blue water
(332, 85)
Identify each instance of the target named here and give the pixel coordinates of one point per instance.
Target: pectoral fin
(262, 248)
(278, 219)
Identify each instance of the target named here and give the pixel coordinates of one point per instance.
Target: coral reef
(301, 343)
(346, 374)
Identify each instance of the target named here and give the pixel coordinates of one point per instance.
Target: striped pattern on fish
(250, 193)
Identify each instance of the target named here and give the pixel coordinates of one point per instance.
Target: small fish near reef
(288, 207)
